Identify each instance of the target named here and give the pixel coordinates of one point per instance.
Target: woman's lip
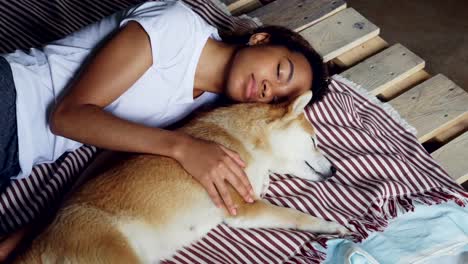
(251, 87)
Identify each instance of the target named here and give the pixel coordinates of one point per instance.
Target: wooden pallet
(434, 105)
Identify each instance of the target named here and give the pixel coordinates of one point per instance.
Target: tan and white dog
(143, 209)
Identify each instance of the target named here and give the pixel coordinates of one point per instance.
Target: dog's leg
(264, 214)
(80, 235)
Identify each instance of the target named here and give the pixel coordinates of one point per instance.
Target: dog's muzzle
(324, 175)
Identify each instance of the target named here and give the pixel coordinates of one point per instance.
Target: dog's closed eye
(313, 142)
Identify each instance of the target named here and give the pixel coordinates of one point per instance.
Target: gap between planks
(453, 156)
(359, 51)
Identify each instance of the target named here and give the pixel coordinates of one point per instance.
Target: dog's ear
(297, 106)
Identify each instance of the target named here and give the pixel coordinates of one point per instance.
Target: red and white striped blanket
(382, 171)
(25, 24)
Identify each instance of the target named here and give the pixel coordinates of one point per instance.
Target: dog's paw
(335, 228)
(342, 230)
(319, 225)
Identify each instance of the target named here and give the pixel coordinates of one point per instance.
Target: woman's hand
(212, 165)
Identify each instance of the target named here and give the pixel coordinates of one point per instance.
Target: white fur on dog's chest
(259, 175)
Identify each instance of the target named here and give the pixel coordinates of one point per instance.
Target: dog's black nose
(330, 173)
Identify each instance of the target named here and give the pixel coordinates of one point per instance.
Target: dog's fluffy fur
(143, 209)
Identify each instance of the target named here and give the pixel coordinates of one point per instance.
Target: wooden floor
(351, 44)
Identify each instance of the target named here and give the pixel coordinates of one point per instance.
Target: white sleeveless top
(161, 97)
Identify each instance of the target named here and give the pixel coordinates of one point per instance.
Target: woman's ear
(259, 38)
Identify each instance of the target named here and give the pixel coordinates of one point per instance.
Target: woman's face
(263, 73)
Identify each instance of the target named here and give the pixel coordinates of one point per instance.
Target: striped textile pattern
(26, 199)
(25, 24)
(382, 169)
(42, 21)
(45, 21)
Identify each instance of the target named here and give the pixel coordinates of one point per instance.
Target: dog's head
(275, 135)
(294, 144)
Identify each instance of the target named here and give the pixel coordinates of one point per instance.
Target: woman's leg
(10, 242)
(9, 164)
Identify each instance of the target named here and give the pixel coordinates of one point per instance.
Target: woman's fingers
(213, 193)
(233, 155)
(215, 167)
(238, 179)
(239, 172)
(224, 193)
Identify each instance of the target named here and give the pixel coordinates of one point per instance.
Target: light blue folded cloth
(430, 234)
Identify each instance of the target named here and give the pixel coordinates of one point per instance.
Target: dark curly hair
(282, 36)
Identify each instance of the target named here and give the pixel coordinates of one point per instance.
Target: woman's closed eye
(278, 71)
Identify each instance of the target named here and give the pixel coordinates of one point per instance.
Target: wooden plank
(453, 157)
(404, 85)
(340, 33)
(239, 7)
(361, 52)
(432, 104)
(297, 14)
(444, 134)
(385, 69)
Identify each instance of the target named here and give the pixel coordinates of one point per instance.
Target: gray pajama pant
(9, 164)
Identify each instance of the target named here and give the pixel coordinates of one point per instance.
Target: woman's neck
(213, 66)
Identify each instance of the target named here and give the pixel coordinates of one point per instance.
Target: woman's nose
(263, 90)
(267, 90)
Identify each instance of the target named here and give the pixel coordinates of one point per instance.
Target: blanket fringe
(310, 253)
(381, 211)
(385, 106)
(377, 217)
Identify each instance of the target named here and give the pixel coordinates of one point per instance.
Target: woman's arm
(79, 115)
